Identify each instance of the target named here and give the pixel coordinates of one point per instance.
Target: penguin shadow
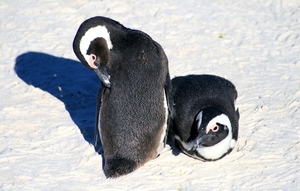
(67, 80)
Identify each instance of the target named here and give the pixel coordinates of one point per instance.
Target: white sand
(48, 98)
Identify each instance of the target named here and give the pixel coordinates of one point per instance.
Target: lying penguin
(204, 119)
(132, 109)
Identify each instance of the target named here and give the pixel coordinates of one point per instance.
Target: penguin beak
(104, 76)
(200, 133)
(201, 137)
(101, 71)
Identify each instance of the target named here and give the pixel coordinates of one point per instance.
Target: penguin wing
(168, 88)
(183, 107)
(235, 124)
(97, 134)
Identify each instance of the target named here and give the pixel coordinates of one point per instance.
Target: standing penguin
(204, 119)
(132, 109)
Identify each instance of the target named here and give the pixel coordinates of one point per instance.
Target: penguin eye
(215, 129)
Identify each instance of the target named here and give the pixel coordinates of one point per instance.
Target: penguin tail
(116, 167)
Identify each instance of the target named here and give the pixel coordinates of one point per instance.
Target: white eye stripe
(90, 35)
(222, 119)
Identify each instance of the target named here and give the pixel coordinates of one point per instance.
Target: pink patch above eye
(214, 128)
(92, 60)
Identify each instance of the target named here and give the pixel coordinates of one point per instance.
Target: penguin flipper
(237, 113)
(167, 88)
(97, 136)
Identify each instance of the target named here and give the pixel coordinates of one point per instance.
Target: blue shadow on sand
(67, 80)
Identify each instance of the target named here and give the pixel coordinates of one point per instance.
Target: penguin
(132, 112)
(204, 117)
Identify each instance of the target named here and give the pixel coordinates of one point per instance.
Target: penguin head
(92, 47)
(211, 137)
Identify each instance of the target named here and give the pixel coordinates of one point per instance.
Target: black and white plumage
(204, 118)
(132, 109)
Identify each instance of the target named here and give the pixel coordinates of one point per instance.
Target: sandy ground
(47, 104)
